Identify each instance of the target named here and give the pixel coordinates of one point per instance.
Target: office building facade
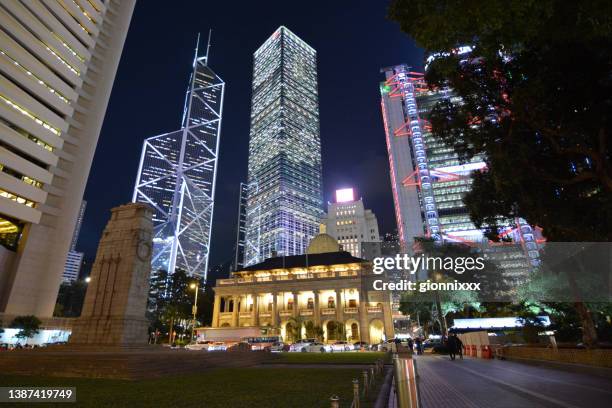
(241, 228)
(74, 260)
(285, 201)
(77, 226)
(428, 180)
(72, 269)
(58, 61)
(351, 224)
(177, 177)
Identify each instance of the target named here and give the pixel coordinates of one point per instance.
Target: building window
(290, 304)
(10, 233)
(331, 302)
(352, 303)
(354, 332)
(310, 304)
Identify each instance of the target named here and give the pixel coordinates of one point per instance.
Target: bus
(259, 343)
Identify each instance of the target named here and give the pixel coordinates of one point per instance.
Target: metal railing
(290, 277)
(368, 384)
(328, 311)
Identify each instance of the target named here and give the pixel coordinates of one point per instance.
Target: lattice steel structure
(285, 200)
(177, 176)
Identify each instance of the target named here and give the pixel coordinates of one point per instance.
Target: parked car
(217, 346)
(298, 345)
(241, 346)
(430, 343)
(358, 345)
(277, 347)
(201, 345)
(316, 347)
(386, 346)
(341, 346)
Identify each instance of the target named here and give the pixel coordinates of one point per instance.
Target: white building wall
(351, 225)
(58, 62)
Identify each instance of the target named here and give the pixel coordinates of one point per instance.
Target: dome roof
(321, 244)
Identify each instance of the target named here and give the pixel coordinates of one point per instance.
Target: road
(478, 383)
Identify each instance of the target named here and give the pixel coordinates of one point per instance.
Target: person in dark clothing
(411, 345)
(419, 345)
(451, 344)
(459, 346)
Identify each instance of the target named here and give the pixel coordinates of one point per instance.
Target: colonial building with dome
(324, 292)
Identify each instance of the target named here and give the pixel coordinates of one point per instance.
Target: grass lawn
(226, 388)
(330, 358)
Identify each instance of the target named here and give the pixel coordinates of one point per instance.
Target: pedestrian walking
(419, 345)
(459, 346)
(451, 344)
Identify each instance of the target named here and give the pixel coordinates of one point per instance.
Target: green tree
(535, 101)
(313, 330)
(70, 299)
(171, 300)
(171, 315)
(206, 301)
(28, 326)
(335, 331)
(294, 328)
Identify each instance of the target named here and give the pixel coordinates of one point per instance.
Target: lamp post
(196, 287)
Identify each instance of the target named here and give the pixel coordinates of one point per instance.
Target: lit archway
(351, 328)
(334, 330)
(377, 331)
(289, 332)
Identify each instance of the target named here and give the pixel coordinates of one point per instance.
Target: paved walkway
(478, 383)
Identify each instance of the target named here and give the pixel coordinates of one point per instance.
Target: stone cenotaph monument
(109, 340)
(114, 309)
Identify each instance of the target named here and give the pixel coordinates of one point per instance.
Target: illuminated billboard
(345, 195)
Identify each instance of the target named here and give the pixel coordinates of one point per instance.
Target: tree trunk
(589, 334)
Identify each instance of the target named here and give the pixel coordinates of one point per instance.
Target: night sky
(353, 40)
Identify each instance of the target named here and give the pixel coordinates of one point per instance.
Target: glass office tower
(285, 200)
(429, 181)
(177, 177)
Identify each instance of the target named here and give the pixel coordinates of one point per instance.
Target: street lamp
(195, 286)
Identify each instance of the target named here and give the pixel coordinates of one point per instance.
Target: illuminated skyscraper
(428, 182)
(285, 200)
(74, 260)
(177, 177)
(427, 179)
(241, 228)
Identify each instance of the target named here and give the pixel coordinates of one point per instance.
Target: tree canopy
(28, 326)
(536, 97)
